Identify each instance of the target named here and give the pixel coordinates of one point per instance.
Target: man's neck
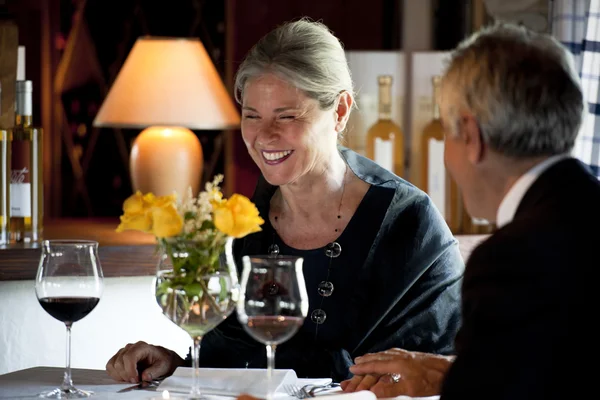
(502, 174)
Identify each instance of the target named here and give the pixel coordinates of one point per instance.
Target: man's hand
(420, 374)
(141, 359)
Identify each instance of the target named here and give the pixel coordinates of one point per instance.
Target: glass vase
(197, 289)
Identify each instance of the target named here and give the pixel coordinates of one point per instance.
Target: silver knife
(143, 385)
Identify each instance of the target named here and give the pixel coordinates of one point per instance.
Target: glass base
(68, 393)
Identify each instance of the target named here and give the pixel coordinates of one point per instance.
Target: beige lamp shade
(168, 82)
(167, 86)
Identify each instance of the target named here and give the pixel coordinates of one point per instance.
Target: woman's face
(287, 135)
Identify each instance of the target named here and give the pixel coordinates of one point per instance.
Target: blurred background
(74, 50)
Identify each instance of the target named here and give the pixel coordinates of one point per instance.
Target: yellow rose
(166, 221)
(148, 213)
(138, 202)
(137, 221)
(237, 216)
(162, 201)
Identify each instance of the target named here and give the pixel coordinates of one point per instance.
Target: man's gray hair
(306, 55)
(522, 88)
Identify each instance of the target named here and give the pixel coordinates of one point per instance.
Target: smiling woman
(287, 133)
(380, 265)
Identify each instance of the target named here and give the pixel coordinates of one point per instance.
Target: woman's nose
(268, 134)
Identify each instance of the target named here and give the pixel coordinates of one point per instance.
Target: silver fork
(314, 389)
(297, 392)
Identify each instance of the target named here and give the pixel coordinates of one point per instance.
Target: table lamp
(166, 87)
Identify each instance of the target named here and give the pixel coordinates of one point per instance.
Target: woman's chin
(275, 180)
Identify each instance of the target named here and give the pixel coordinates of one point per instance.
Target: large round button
(325, 288)
(273, 250)
(318, 316)
(273, 289)
(333, 250)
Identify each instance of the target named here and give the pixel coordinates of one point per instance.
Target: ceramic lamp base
(166, 159)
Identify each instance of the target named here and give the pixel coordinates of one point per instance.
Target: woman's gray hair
(522, 88)
(306, 55)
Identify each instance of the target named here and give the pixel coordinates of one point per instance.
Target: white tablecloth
(26, 384)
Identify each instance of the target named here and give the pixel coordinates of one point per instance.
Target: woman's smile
(274, 157)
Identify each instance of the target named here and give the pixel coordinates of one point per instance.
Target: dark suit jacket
(528, 315)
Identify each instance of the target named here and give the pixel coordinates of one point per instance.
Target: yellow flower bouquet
(192, 234)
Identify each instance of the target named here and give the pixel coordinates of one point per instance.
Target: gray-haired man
(512, 105)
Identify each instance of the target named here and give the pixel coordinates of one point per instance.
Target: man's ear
(342, 111)
(471, 134)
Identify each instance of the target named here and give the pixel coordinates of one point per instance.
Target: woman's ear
(342, 111)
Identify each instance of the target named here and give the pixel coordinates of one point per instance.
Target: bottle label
(436, 175)
(20, 179)
(20, 199)
(384, 153)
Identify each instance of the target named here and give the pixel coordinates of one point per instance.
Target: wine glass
(196, 303)
(68, 286)
(273, 302)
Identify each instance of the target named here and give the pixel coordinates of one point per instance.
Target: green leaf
(224, 292)
(163, 288)
(193, 289)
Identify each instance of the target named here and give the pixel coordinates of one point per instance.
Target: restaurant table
(28, 383)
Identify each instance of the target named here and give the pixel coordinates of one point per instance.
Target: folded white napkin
(229, 382)
(414, 398)
(339, 395)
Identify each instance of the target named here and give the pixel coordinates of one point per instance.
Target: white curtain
(576, 23)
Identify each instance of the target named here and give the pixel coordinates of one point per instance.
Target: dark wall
(451, 21)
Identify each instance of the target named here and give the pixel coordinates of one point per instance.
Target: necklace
(331, 250)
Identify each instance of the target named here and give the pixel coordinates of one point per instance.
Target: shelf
(128, 253)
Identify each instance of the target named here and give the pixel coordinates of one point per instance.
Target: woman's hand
(142, 360)
(420, 374)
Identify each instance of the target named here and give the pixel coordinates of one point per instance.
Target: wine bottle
(385, 141)
(436, 181)
(26, 188)
(4, 178)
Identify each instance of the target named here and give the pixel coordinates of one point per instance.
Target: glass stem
(68, 381)
(196, 366)
(270, 367)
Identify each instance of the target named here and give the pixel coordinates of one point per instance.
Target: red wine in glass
(69, 309)
(68, 286)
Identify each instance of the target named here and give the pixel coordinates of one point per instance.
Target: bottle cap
(385, 79)
(24, 86)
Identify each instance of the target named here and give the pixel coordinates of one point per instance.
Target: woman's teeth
(274, 156)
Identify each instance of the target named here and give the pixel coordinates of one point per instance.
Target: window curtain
(576, 23)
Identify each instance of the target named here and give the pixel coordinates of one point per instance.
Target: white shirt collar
(512, 199)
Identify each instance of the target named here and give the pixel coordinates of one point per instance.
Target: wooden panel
(9, 43)
(121, 254)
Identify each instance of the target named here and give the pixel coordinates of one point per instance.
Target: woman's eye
(250, 116)
(287, 117)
